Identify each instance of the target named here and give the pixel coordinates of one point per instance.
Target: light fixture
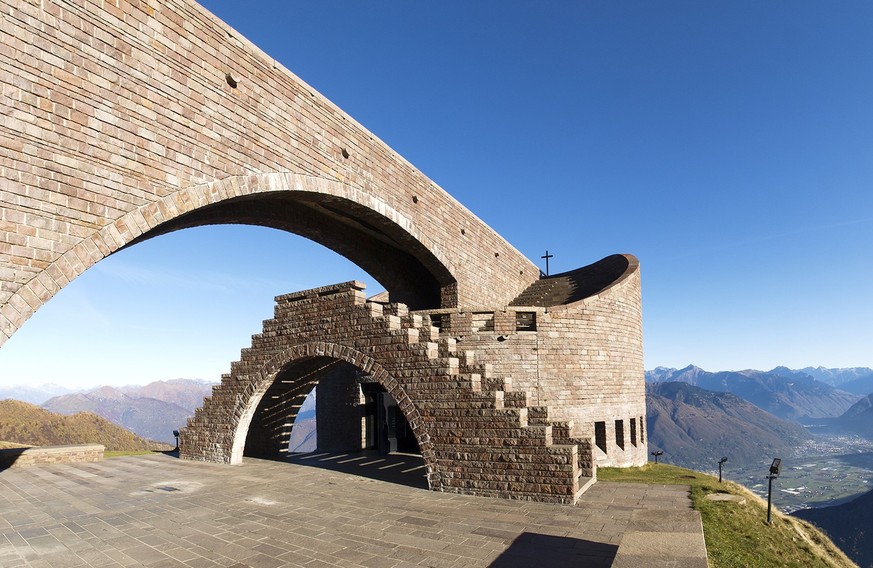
(775, 468)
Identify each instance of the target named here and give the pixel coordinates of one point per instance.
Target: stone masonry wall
(46, 455)
(592, 368)
(120, 117)
(338, 411)
(477, 435)
(584, 362)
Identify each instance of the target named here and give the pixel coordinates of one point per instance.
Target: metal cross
(547, 256)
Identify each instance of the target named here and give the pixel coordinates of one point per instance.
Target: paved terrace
(159, 511)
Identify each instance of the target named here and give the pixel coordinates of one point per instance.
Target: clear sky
(728, 145)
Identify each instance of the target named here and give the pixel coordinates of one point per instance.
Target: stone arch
(421, 276)
(353, 222)
(138, 136)
(261, 382)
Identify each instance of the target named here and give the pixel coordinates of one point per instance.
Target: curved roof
(576, 285)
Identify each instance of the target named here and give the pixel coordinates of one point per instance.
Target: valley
(825, 471)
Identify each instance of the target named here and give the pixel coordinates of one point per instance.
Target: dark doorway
(386, 429)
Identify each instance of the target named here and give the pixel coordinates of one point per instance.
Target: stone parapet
(45, 455)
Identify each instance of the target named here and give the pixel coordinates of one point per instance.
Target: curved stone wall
(583, 359)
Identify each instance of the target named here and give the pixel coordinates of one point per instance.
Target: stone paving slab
(158, 511)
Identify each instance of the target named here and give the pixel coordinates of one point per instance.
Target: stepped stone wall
(503, 403)
(476, 434)
(583, 361)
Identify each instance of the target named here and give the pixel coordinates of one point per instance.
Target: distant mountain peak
(106, 393)
(693, 425)
(152, 411)
(790, 395)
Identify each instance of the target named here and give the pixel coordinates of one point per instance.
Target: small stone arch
(247, 404)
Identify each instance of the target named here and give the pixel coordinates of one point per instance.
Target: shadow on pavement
(534, 550)
(9, 456)
(399, 468)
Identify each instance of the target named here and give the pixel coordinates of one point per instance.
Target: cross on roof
(547, 256)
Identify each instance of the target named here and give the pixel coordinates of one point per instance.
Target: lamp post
(176, 434)
(656, 454)
(720, 463)
(775, 467)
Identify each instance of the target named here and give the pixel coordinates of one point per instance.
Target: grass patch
(119, 454)
(738, 535)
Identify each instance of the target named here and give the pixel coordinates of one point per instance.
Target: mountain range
(696, 427)
(153, 411)
(857, 380)
(694, 415)
(790, 395)
(857, 420)
(27, 424)
(34, 394)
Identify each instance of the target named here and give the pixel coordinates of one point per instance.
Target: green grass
(738, 535)
(119, 454)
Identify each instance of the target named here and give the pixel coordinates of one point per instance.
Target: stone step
(427, 349)
(467, 357)
(540, 415)
(427, 332)
(516, 399)
(448, 346)
(409, 335)
(585, 483)
(396, 309)
(496, 383)
(448, 366)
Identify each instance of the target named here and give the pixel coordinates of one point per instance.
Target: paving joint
(159, 511)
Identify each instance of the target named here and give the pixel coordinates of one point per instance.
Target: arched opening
(180, 306)
(406, 268)
(359, 426)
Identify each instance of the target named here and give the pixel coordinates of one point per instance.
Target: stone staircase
(477, 435)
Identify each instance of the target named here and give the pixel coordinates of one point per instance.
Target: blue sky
(728, 145)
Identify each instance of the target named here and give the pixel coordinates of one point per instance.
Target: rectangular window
(633, 430)
(619, 433)
(525, 321)
(642, 430)
(483, 321)
(600, 435)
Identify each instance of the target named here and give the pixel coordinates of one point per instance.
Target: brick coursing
(496, 411)
(118, 121)
(47, 455)
(120, 124)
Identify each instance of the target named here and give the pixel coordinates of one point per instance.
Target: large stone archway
(120, 123)
(241, 413)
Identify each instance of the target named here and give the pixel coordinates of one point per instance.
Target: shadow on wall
(532, 549)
